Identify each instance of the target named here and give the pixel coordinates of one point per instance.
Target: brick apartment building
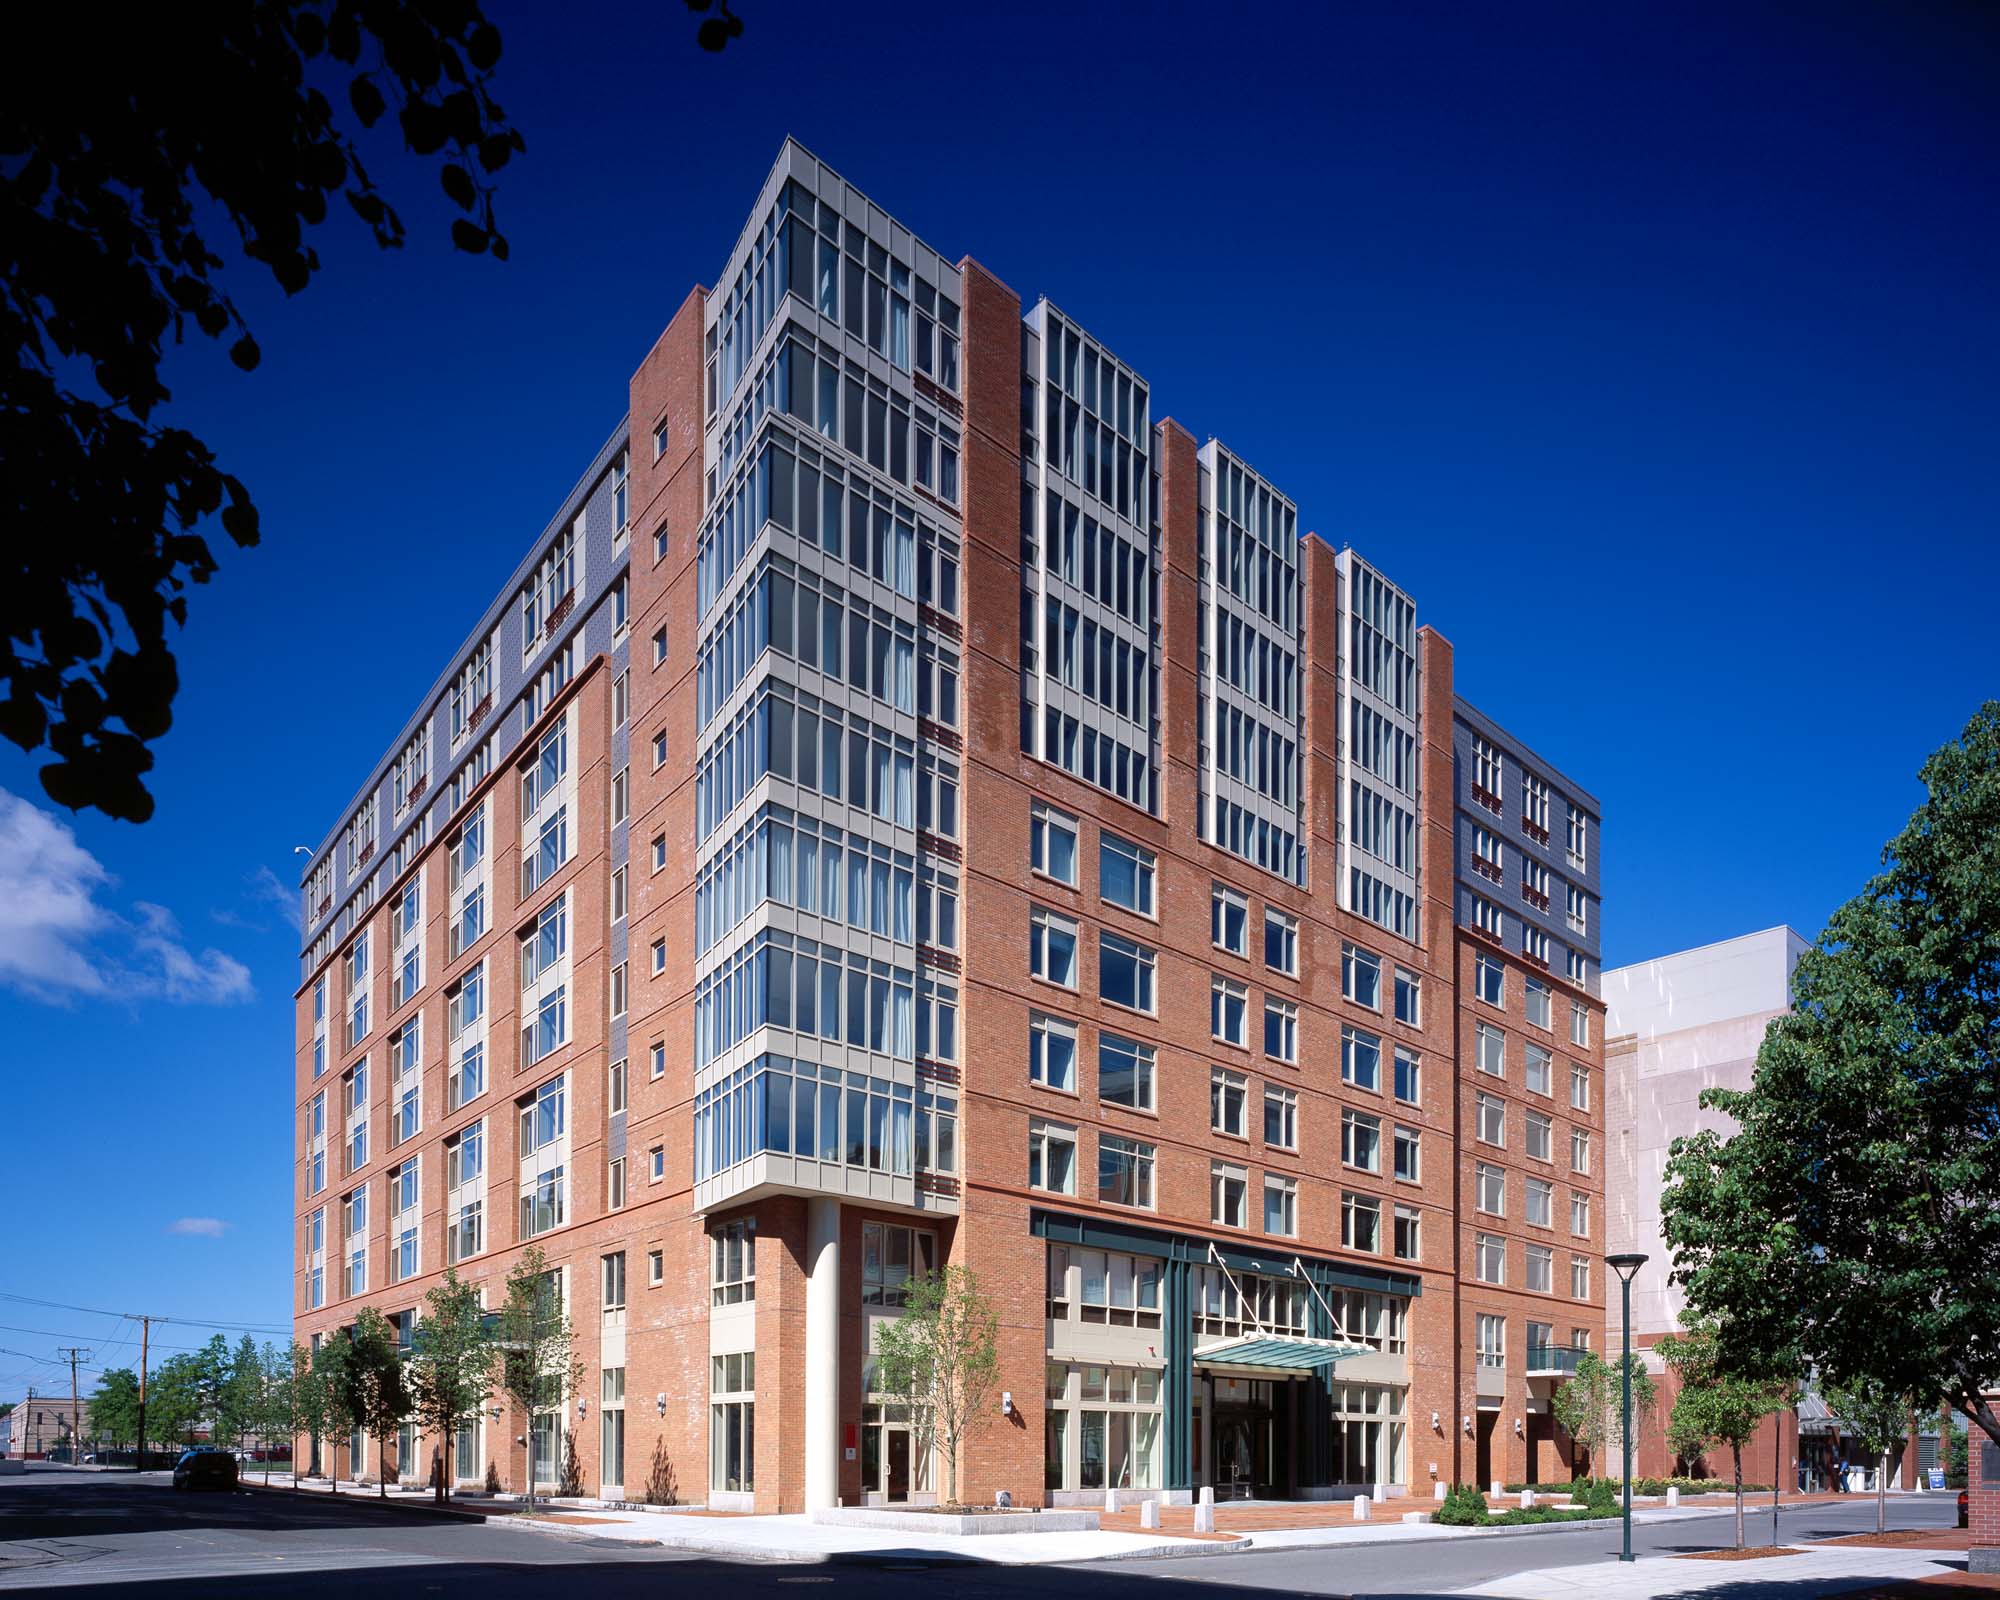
(915, 804)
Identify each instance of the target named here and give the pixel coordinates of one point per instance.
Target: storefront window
(1103, 1429)
(732, 1422)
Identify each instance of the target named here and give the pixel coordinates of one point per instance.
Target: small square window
(659, 852)
(659, 644)
(656, 1066)
(659, 749)
(659, 957)
(662, 432)
(661, 540)
(656, 1162)
(656, 1271)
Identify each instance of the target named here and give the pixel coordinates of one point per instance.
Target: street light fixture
(1625, 1266)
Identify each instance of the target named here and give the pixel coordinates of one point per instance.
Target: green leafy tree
(1875, 1417)
(451, 1371)
(1852, 1219)
(239, 1410)
(174, 1399)
(127, 151)
(538, 1362)
(1590, 1405)
(282, 1410)
(375, 1381)
(114, 1406)
(941, 1360)
(331, 1399)
(1717, 1404)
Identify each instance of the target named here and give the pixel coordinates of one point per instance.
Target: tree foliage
(1718, 1404)
(122, 149)
(114, 1406)
(331, 1400)
(538, 1365)
(1590, 1405)
(941, 1359)
(451, 1369)
(1852, 1220)
(1875, 1418)
(374, 1376)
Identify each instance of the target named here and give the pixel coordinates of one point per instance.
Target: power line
(123, 1338)
(133, 1316)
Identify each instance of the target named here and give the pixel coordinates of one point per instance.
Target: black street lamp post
(1625, 1266)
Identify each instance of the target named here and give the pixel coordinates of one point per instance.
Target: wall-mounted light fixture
(1517, 1427)
(1466, 1424)
(660, 1403)
(582, 1407)
(1436, 1424)
(1006, 1402)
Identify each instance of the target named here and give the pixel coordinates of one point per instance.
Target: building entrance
(1249, 1437)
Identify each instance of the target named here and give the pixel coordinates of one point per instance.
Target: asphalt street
(90, 1534)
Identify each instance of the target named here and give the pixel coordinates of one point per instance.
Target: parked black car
(205, 1468)
(1963, 1508)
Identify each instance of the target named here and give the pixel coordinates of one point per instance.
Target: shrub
(1464, 1507)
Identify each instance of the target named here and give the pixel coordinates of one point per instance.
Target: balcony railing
(1552, 1360)
(1534, 897)
(1535, 831)
(1487, 798)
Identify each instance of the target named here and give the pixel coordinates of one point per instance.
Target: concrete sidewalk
(1814, 1570)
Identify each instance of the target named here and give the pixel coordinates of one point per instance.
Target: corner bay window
(782, 1106)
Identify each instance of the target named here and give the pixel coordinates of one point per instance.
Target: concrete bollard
(1439, 1490)
(1149, 1513)
(1527, 1499)
(1497, 1490)
(1361, 1508)
(1110, 1499)
(1673, 1495)
(1204, 1511)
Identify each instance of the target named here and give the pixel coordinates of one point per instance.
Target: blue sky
(1652, 349)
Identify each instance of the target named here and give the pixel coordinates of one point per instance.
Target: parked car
(205, 1467)
(1964, 1510)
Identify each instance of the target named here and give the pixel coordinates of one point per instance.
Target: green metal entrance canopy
(1289, 1358)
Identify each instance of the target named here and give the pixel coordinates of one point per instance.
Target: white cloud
(266, 886)
(60, 943)
(200, 1227)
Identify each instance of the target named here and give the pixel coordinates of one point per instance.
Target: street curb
(401, 1507)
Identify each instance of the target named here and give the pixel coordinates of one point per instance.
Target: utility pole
(73, 1355)
(145, 1332)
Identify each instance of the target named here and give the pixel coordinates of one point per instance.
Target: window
(1579, 1277)
(1489, 1258)
(658, 957)
(1579, 1151)
(1538, 1205)
(1229, 920)
(1281, 943)
(1125, 972)
(732, 1423)
(657, 1060)
(1534, 944)
(619, 990)
(659, 851)
(662, 542)
(659, 749)
(1489, 980)
(1361, 1140)
(1577, 908)
(1579, 1214)
(1576, 965)
(1540, 1137)
(1492, 1051)
(1360, 1059)
(1579, 1086)
(1579, 1024)
(732, 1262)
(1226, 1093)
(662, 431)
(1537, 1002)
(1409, 1077)
(1489, 1339)
(1488, 854)
(890, 1256)
(1486, 916)
(621, 795)
(1361, 976)
(656, 1163)
(1228, 1006)
(1051, 1157)
(1052, 947)
(1409, 1243)
(1537, 1069)
(660, 645)
(1281, 1205)
(1052, 842)
(1124, 1171)
(1125, 874)
(1409, 997)
(1124, 1072)
(1489, 1188)
(1490, 1119)
(611, 1271)
(1228, 1194)
(656, 1268)
(616, 1184)
(1534, 883)
(1361, 1223)
(1535, 805)
(618, 898)
(1541, 1268)
(1577, 842)
(1409, 1154)
(1281, 1118)
(1051, 1052)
